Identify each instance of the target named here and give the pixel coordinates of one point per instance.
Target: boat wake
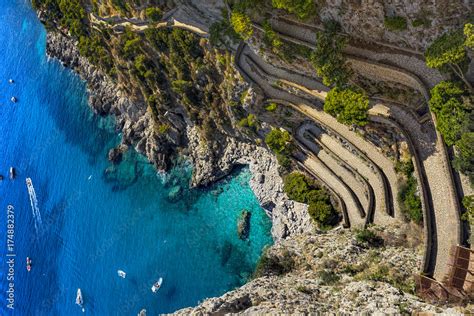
(34, 205)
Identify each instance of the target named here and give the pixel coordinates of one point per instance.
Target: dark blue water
(94, 223)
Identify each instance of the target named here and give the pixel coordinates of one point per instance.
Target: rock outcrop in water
(243, 225)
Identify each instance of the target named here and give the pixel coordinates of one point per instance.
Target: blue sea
(84, 218)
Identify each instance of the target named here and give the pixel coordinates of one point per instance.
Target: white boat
(12, 173)
(10, 81)
(121, 274)
(157, 285)
(79, 300)
(13, 99)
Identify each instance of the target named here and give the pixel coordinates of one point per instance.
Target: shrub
(242, 24)
(395, 23)
(425, 22)
(296, 187)
(302, 189)
(153, 14)
(369, 238)
(468, 203)
(271, 107)
(303, 9)
(410, 202)
(328, 277)
(249, 121)
(278, 141)
(270, 38)
(273, 265)
(347, 106)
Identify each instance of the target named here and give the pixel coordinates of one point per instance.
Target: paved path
(344, 171)
(254, 65)
(140, 26)
(310, 161)
(440, 201)
(436, 174)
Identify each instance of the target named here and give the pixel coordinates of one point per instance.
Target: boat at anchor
(157, 285)
(28, 264)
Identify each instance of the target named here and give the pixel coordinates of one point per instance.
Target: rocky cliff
(333, 272)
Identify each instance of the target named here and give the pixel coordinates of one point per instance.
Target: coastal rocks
(288, 217)
(303, 291)
(115, 155)
(175, 194)
(243, 225)
(105, 98)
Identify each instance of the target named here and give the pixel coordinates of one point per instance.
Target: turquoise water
(95, 222)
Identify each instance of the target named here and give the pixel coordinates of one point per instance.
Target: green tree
(328, 58)
(278, 141)
(303, 9)
(347, 106)
(449, 52)
(153, 14)
(464, 160)
(73, 16)
(447, 104)
(242, 24)
(296, 187)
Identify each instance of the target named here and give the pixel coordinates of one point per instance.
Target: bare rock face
(364, 19)
(326, 277)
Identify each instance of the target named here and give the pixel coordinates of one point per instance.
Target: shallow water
(94, 223)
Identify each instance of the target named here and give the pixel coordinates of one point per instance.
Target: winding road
(438, 193)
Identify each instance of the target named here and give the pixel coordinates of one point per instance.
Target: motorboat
(121, 274)
(13, 99)
(11, 81)
(157, 285)
(12, 173)
(79, 300)
(28, 264)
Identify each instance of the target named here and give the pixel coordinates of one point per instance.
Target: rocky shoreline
(134, 121)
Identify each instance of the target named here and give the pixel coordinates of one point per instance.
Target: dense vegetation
(408, 196)
(464, 160)
(279, 141)
(303, 9)
(153, 14)
(395, 23)
(451, 110)
(222, 33)
(348, 106)
(302, 189)
(241, 24)
(452, 101)
(69, 13)
(328, 58)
